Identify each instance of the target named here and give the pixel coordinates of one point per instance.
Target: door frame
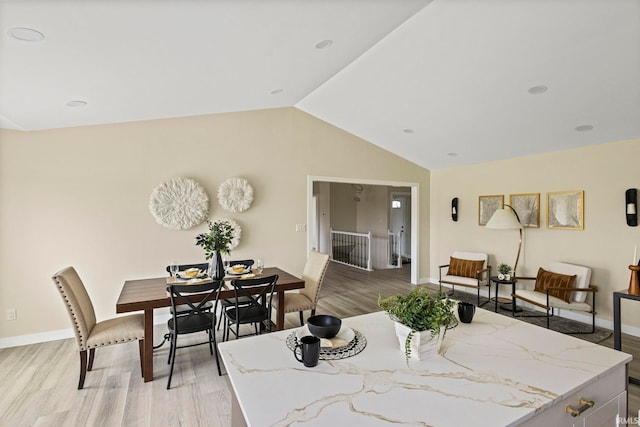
(415, 212)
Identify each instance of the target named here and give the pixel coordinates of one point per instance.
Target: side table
(617, 331)
(506, 304)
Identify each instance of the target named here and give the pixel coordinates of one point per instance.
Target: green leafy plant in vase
(505, 272)
(223, 235)
(421, 321)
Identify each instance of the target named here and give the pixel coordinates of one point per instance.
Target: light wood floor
(38, 382)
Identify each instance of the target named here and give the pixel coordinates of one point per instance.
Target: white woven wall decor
(179, 203)
(235, 194)
(237, 233)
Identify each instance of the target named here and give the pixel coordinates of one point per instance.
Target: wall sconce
(454, 209)
(631, 207)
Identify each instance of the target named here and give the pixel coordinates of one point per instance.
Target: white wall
(80, 196)
(606, 244)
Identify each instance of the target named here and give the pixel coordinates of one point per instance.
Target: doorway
(319, 213)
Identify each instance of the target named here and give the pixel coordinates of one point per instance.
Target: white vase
(423, 345)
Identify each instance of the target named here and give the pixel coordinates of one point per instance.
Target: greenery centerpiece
(223, 235)
(422, 317)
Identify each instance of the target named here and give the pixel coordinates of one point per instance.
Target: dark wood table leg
(280, 314)
(148, 345)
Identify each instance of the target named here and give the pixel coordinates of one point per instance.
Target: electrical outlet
(11, 314)
(301, 227)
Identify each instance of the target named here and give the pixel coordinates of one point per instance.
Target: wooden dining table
(149, 294)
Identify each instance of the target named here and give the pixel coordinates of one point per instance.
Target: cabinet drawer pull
(584, 405)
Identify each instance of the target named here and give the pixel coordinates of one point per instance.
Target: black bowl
(324, 326)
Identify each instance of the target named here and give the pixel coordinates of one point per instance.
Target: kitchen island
(495, 371)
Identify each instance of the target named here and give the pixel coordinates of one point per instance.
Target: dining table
(148, 294)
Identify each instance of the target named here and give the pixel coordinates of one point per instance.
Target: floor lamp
(507, 219)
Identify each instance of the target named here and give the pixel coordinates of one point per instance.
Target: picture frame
(487, 205)
(527, 206)
(565, 210)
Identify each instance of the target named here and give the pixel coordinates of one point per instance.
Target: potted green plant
(421, 321)
(223, 235)
(505, 272)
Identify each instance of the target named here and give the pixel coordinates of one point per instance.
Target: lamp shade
(504, 219)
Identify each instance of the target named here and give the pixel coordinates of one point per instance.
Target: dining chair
(225, 303)
(200, 266)
(259, 291)
(91, 334)
(181, 309)
(198, 318)
(307, 297)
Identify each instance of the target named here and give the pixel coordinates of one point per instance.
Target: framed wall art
(565, 210)
(487, 205)
(528, 208)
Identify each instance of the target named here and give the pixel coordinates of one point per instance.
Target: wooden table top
(145, 294)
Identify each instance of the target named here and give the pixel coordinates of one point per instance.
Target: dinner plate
(357, 344)
(342, 338)
(182, 275)
(230, 272)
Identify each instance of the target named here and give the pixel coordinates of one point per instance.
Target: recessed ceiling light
(324, 44)
(276, 91)
(537, 90)
(583, 128)
(26, 34)
(407, 130)
(76, 103)
(452, 154)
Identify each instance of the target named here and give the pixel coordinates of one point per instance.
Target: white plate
(344, 337)
(182, 275)
(230, 272)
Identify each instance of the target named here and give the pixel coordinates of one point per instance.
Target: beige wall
(606, 244)
(343, 207)
(79, 196)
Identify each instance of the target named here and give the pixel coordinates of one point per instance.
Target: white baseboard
(60, 334)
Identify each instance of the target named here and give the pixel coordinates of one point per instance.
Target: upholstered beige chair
(89, 333)
(307, 297)
(468, 269)
(563, 286)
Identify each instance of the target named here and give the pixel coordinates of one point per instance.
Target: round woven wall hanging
(235, 195)
(179, 203)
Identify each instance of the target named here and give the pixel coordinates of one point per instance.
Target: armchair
(562, 286)
(468, 269)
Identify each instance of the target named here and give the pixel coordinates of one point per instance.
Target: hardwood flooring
(38, 382)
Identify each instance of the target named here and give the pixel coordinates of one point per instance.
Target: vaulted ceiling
(442, 83)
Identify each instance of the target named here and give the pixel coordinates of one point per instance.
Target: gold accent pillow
(547, 279)
(464, 267)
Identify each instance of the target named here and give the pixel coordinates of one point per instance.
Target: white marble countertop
(496, 369)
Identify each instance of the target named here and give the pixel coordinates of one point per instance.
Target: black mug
(309, 350)
(466, 310)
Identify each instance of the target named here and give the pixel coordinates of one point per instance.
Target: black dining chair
(200, 266)
(224, 303)
(197, 319)
(259, 292)
(181, 309)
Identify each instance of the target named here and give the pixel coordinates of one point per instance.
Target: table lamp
(507, 219)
